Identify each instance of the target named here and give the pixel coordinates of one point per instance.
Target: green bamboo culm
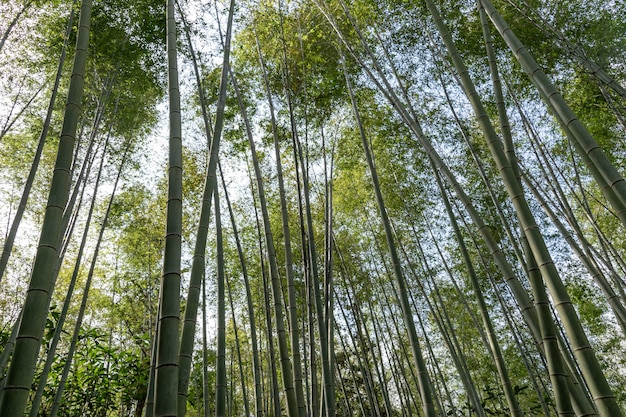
(166, 370)
(21, 208)
(256, 366)
(292, 316)
(285, 362)
(422, 372)
(494, 345)
(556, 367)
(58, 397)
(592, 372)
(220, 374)
(35, 311)
(606, 175)
(52, 345)
(294, 338)
(198, 262)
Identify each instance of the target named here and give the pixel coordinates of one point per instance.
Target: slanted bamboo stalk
(36, 305)
(604, 172)
(420, 364)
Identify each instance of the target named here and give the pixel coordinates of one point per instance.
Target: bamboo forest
(312, 208)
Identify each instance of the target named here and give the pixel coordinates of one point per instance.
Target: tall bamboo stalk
(285, 362)
(256, 367)
(220, 380)
(198, 260)
(594, 377)
(166, 369)
(420, 364)
(604, 172)
(274, 398)
(328, 390)
(36, 305)
(205, 353)
(83, 305)
(50, 356)
(21, 207)
(293, 308)
(240, 364)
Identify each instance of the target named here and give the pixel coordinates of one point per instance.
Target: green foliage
(136, 219)
(590, 305)
(303, 37)
(300, 48)
(105, 378)
(195, 400)
(590, 105)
